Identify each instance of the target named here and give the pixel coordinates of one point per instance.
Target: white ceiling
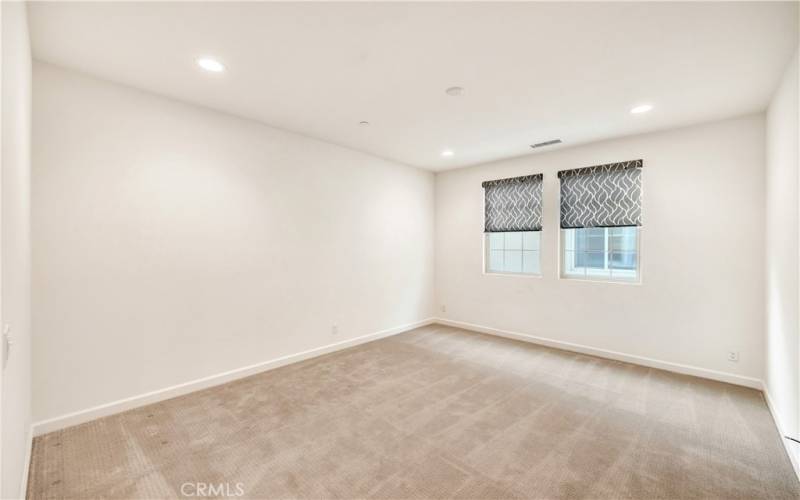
(532, 71)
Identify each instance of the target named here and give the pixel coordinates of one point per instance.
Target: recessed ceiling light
(363, 123)
(212, 65)
(642, 108)
(447, 152)
(454, 91)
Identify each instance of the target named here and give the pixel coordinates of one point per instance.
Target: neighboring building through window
(610, 253)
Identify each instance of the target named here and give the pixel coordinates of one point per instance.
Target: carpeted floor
(433, 413)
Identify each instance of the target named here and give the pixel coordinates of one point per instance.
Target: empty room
(400, 250)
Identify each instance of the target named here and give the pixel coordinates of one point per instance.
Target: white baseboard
(792, 448)
(730, 378)
(89, 414)
(23, 485)
(121, 405)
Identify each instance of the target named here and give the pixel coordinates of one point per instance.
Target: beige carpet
(433, 413)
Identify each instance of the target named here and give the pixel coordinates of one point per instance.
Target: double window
(600, 219)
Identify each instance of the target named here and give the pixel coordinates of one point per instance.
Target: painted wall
(702, 247)
(172, 242)
(782, 374)
(15, 260)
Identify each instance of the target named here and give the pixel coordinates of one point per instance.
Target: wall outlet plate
(335, 330)
(8, 341)
(733, 356)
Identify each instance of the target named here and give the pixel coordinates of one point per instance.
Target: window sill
(506, 275)
(600, 279)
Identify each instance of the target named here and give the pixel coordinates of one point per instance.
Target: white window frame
(568, 272)
(486, 257)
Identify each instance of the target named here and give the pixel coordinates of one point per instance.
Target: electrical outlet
(733, 356)
(8, 341)
(335, 330)
(444, 308)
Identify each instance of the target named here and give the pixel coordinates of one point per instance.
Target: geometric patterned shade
(602, 196)
(513, 204)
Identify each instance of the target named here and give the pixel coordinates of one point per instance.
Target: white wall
(702, 247)
(172, 242)
(782, 374)
(15, 263)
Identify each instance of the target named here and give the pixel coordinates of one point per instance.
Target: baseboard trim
(794, 454)
(82, 416)
(23, 485)
(730, 378)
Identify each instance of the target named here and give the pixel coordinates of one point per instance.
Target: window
(516, 253)
(601, 216)
(512, 224)
(606, 253)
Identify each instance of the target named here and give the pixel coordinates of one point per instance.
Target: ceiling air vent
(546, 143)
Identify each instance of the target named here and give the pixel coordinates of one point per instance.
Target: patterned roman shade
(513, 204)
(602, 196)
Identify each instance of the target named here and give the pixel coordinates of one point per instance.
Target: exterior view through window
(610, 253)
